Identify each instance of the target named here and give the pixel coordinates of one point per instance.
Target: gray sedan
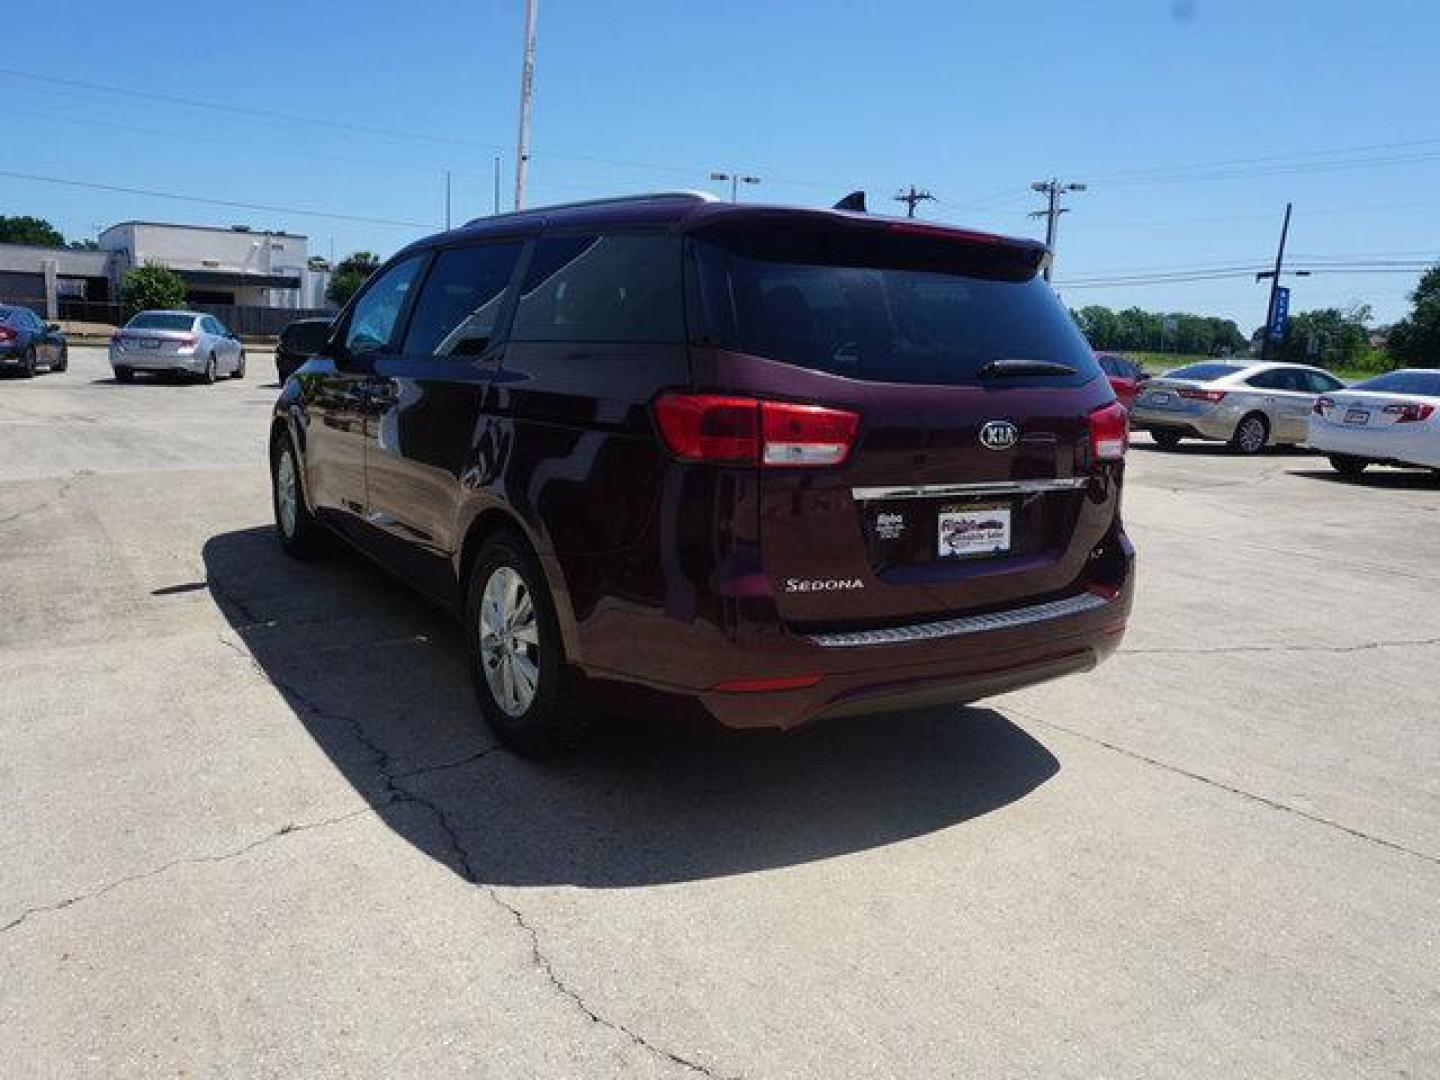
(1248, 405)
(178, 342)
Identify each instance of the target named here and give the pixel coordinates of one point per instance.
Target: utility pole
(527, 88)
(497, 184)
(447, 200)
(1052, 190)
(1274, 286)
(911, 197)
(736, 179)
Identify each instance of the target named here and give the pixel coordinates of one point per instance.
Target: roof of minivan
(688, 211)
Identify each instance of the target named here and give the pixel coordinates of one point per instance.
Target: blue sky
(1192, 122)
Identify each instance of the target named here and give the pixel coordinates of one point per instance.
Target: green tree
(1329, 337)
(1415, 340)
(350, 273)
(151, 287)
(29, 230)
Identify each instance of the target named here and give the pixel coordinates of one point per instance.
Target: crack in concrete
(1263, 800)
(1220, 650)
(63, 491)
(396, 794)
(187, 860)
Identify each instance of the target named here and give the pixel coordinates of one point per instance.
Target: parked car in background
(176, 342)
(1392, 419)
(1125, 376)
(28, 342)
(299, 341)
(721, 455)
(1249, 405)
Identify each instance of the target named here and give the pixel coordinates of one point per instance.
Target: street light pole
(736, 179)
(527, 88)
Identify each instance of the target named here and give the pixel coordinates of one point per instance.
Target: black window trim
(503, 317)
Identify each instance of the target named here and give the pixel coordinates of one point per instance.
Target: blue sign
(1280, 317)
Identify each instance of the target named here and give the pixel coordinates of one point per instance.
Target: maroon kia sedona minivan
(781, 464)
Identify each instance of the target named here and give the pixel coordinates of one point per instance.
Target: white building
(237, 265)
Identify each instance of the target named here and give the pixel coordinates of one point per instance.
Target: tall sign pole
(527, 88)
(1270, 313)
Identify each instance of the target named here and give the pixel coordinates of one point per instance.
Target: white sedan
(1393, 419)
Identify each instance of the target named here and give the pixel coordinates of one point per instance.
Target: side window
(456, 311)
(211, 326)
(1321, 383)
(1292, 379)
(621, 287)
(376, 312)
(1265, 380)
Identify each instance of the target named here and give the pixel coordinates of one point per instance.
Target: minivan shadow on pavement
(378, 679)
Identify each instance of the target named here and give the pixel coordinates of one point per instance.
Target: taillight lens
(1323, 405)
(1212, 396)
(1410, 412)
(718, 428)
(7, 334)
(187, 339)
(1109, 432)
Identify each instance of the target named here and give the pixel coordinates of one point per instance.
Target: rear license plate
(1357, 416)
(974, 531)
(149, 343)
(1159, 397)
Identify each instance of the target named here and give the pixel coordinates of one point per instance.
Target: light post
(736, 179)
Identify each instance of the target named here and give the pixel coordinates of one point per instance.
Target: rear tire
(124, 374)
(301, 535)
(208, 377)
(1251, 434)
(1348, 466)
(1166, 440)
(239, 372)
(517, 658)
(27, 370)
(63, 364)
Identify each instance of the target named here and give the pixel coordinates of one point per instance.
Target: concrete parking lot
(251, 827)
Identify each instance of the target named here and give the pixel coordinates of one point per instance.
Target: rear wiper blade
(996, 369)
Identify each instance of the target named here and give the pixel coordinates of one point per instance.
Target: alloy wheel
(286, 493)
(1251, 436)
(509, 641)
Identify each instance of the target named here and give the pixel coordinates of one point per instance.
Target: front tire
(27, 370)
(301, 535)
(1251, 434)
(124, 374)
(1166, 440)
(517, 659)
(208, 377)
(1348, 466)
(239, 372)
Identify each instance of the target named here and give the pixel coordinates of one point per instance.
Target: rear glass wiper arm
(996, 369)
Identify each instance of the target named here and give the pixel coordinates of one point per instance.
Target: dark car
(299, 341)
(697, 453)
(28, 342)
(1125, 376)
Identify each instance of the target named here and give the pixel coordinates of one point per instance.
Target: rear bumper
(147, 360)
(1208, 422)
(1419, 447)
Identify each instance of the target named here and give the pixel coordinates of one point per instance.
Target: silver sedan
(1249, 405)
(179, 342)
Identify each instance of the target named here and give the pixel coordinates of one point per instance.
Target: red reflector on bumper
(753, 686)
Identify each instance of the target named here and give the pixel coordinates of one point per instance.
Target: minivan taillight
(740, 430)
(1109, 432)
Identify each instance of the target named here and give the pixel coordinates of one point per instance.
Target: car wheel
(124, 374)
(301, 535)
(239, 372)
(208, 377)
(1251, 434)
(1166, 440)
(517, 659)
(62, 364)
(27, 370)
(1346, 465)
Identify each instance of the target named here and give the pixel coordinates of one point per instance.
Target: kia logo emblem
(999, 435)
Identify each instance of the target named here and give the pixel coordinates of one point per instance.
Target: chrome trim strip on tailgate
(969, 624)
(992, 487)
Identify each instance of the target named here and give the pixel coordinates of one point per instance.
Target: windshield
(1204, 372)
(161, 320)
(1404, 382)
(876, 316)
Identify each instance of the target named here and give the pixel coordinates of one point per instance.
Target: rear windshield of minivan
(161, 320)
(885, 308)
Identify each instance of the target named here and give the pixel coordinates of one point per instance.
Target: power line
(175, 196)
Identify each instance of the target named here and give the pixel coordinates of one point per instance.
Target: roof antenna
(854, 201)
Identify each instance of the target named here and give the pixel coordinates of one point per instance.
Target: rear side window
(456, 312)
(874, 308)
(1204, 372)
(1317, 382)
(616, 287)
(1404, 382)
(161, 320)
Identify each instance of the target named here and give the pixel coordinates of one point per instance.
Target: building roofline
(208, 228)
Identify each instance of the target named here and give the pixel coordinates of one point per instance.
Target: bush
(151, 287)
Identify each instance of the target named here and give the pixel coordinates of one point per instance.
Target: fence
(245, 320)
